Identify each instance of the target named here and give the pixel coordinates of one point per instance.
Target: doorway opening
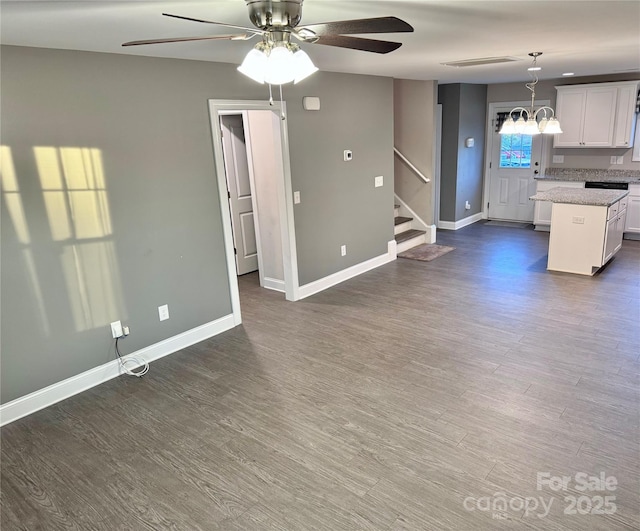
(251, 152)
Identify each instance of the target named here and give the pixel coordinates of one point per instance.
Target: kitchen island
(586, 227)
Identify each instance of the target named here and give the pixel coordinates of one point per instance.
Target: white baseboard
(455, 225)
(431, 234)
(320, 285)
(274, 284)
(25, 405)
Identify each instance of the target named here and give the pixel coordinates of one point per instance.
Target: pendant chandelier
(527, 122)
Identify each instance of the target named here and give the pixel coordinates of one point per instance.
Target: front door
(515, 161)
(237, 171)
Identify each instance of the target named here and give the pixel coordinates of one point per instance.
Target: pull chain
(271, 94)
(281, 104)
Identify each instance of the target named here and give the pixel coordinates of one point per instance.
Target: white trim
(252, 185)
(417, 222)
(25, 405)
(437, 157)
(289, 252)
(274, 284)
(455, 225)
(324, 283)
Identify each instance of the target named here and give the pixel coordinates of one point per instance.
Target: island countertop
(581, 196)
(589, 175)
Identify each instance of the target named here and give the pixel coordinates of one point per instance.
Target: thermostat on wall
(469, 142)
(311, 103)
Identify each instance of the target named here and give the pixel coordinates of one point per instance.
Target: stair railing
(422, 176)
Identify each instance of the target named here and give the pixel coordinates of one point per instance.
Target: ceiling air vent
(481, 61)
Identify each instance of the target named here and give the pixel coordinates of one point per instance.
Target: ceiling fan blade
(357, 43)
(240, 37)
(361, 25)
(252, 30)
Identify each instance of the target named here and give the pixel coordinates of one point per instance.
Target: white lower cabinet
(632, 224)
(585, 237)
(542, 209)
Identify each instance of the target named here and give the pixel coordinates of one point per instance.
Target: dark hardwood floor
(421, 395)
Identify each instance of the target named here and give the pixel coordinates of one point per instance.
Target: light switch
(296, 197)
(378, 181)
(613, 159)
(348, 155)
(620, 159)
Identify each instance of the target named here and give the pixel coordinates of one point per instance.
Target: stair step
(408, 234)
(399, 220)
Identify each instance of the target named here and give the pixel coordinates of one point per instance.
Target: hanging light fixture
(277, 61)
(526, 122)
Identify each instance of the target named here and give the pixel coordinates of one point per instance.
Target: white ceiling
(585, 37)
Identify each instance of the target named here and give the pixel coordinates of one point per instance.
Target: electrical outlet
(348, 155)
(343, 250)
(125, 331)
(467, 205)
(620, 159)
(116, 329)
(163, 312)
(296, 198)
(378, 181)
(558, 159)
(578, 219)
(613, 159)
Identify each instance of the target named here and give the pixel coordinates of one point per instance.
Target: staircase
(406, 237)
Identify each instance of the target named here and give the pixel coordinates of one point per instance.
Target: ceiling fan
(276, 21)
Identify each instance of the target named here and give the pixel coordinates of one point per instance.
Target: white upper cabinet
(625, 115)
(597, 115)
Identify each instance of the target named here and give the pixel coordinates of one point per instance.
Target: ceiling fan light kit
(277, 63)
(527, 121)
(276, 60)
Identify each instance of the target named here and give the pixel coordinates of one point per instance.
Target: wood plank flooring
(394, 401)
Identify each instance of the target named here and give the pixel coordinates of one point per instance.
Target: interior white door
(515, 161)
(239, 185)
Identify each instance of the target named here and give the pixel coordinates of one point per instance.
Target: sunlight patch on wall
(76, 200)
(36, 291)
(93, 284)
(72, 180)
(15, 208)
(11, 193)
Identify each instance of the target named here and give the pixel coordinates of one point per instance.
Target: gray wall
(149, 231)
(339, 204)
(573, 157)
(414, 124)
(461, 173)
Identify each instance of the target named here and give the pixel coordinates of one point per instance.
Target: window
(515, 151)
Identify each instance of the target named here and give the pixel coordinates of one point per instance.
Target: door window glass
(515, 151)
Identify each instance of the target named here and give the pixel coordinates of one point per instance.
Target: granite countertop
(580, 196)
(584, 175)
